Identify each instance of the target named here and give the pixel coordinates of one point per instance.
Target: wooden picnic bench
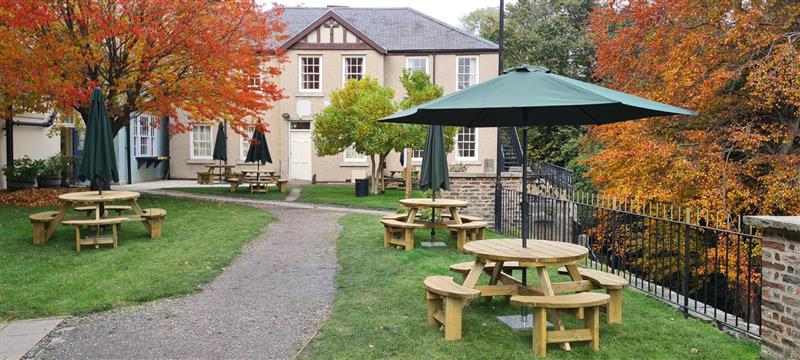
(98, 239)
(589, 301)
(40, 222)
(613, 285)
(468, 231)
(399, 233)
(205, 178)
(446, 301)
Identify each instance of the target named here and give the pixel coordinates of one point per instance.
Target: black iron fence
(550, 179)
(702, 264)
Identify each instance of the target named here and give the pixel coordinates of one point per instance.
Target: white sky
(446, 10)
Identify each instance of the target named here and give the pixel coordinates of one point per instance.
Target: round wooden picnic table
(431, 203)
(68, 200)
(95, 197)
(538, 254)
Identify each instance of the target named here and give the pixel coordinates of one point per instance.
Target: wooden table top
(429, 203)
(538, 251)
(95, 197)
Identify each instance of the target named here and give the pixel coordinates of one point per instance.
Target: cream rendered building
(326, 47)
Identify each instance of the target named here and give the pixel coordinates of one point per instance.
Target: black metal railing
(552, 180)
(700, 263)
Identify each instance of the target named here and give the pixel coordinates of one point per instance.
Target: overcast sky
(446, 10)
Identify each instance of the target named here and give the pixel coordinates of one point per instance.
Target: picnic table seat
(40, 222)
(589, 301)
(469, 231)
(283, 185)
(234, 184)
(613, 285)
(96, 239)
(205, 178)
(154, 216)
(399, 233)
(464, 267)
(464, 218)
(119, 209)
(445, 304)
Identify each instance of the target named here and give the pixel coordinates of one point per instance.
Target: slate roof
(394, 29)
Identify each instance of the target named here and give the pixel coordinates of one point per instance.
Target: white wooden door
(300, 155)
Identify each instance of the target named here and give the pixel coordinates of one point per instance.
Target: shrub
(55, 165)
(23, 169)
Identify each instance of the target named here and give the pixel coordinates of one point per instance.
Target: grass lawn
(379, 312)
(199, 238)
(242, 192)
(345, 195)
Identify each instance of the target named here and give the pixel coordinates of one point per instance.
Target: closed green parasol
(99, 163)
(220, 145)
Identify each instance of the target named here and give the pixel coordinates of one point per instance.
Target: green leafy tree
(484, 22)
(352, 120)
(419, 89)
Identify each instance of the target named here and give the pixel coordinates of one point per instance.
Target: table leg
(474, 273)
(454, 214)
(56, 221)
(496, 271)
(412, 215)
(547, 288)
(138, 211)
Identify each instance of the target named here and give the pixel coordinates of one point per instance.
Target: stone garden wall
(478, 190)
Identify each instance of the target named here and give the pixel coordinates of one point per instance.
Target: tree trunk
(373, 181)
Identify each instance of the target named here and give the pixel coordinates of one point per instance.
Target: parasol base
(519, 323)
(433, 245)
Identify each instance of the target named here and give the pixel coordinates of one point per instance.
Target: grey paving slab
(17, 337)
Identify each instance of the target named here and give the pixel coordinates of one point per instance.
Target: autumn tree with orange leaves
(738, 64)
(197, 57)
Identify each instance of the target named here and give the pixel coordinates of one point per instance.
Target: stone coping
(790, 223)
(485, 175)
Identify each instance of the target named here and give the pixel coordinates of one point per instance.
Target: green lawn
(199, 238)
(345, 195)
(379, 312)
(341, 195)
(242, 192)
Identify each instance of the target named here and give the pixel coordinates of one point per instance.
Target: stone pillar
(780, 285)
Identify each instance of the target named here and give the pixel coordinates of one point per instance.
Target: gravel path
(265, 305)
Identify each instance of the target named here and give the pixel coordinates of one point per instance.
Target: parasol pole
(525, 204)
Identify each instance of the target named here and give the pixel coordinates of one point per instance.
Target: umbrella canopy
(220, 145)
(532, 96)
(434, 172)
(99, 161)
(258, 151)
(550, 99)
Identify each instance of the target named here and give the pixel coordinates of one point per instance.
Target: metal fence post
(686, 269)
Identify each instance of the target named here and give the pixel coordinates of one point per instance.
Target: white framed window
(201, 144)
(467, 143)
(254, 82)
(417, 63)
(466, 71)
(416, 155)
(143, 132)
(244, 140)
(351, 156)
(310, 73)
(353, 67)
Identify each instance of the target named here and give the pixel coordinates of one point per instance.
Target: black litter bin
(362, 187)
